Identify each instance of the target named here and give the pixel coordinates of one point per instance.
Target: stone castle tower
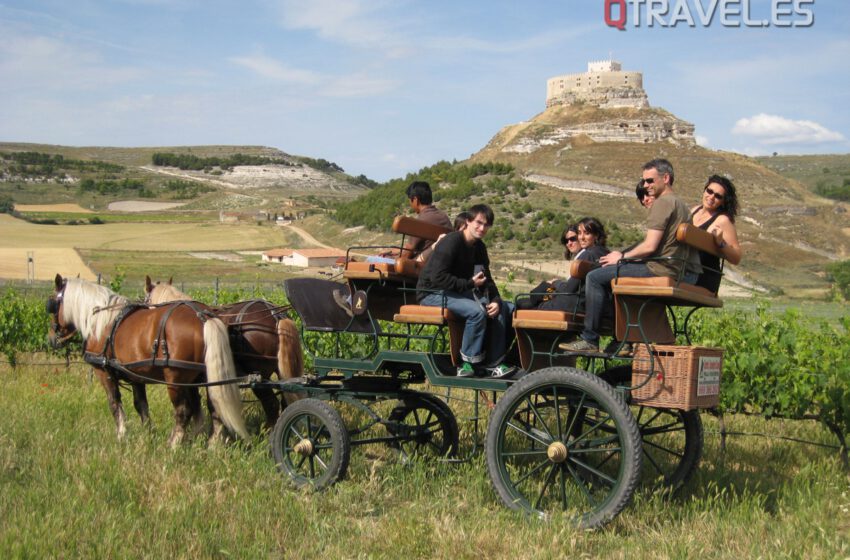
(604, 84)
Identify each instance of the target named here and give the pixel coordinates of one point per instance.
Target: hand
(718, 237)
(479, 279)
(492, 309)
(611, 258)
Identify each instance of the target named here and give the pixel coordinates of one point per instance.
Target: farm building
(276, 255)
(304, 257)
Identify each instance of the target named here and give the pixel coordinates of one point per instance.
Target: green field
(68, 489)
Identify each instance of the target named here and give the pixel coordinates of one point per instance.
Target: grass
(67, 488)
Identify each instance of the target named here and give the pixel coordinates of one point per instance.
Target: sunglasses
(648, 181)
(572, 239)
(716, 195)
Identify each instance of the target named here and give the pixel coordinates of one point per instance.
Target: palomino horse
(262, 339)
(172, 344)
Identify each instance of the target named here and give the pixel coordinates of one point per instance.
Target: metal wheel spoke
(597, 472)
(301, 462)
(666, 429)
(591, 429)
(527, 453)
(654, 463)
(557, 415)
(312, 467)
(576, 415)
(546, 483)
(665, 449)
(581, 485)
(532, 472)
(540, 419)
(321, 463)
(657, 413)
(587, 450)
(529, 435)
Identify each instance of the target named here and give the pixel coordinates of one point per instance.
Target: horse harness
(106, 358)
(240, 327)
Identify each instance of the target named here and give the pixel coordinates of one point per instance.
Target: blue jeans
(597, 292)
(477, 327)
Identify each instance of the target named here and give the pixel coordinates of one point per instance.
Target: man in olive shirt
(665, 216)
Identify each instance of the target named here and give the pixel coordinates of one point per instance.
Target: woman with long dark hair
(716, 214)
(592, 241)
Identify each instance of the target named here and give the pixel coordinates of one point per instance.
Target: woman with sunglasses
(716, 215)
(591, 238)
(569, 239)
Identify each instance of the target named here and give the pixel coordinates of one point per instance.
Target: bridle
(54, 305)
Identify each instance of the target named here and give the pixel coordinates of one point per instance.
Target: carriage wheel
(310, 444)
(672, 439)
(563, 440)
(425, 425)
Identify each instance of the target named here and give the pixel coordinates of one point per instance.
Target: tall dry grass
(69, 489)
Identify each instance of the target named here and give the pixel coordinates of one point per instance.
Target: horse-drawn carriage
(559, 437)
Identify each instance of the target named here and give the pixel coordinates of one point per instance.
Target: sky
(385, 87)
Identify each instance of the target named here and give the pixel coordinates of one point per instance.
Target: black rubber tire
(561, 439)
(430, 426)
(310, 444)
(672, 439)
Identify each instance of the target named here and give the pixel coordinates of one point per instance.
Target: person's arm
(645, 248)
(726, 239)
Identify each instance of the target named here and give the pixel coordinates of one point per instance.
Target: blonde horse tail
(219, 361)
(290, 358)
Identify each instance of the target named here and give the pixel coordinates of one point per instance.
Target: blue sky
(385, 87)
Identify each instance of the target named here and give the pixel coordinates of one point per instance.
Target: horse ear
(170, 279)
(58, 281)
(148, 284)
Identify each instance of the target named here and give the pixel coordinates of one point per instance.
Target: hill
(788, 232)
(94, 177)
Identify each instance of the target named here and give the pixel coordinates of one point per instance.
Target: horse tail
(219, 361)
(290, 357)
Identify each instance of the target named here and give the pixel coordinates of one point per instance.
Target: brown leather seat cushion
(424, 314)
(661, 282)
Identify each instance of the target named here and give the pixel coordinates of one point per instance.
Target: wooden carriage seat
(403, 268)
(664, 291)
(431, 315)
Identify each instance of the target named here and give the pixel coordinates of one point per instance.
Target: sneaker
(466, 370)
(578, 345)
(343, 302)
(501, 371)
(620, 349)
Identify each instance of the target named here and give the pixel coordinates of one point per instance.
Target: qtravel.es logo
(693, 13)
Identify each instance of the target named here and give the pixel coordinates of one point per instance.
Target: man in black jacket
(457, 276)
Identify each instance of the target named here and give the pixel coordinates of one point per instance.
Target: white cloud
(275, 70)
(774, 130)
(352, 22)
(702, 140)
(39, 63)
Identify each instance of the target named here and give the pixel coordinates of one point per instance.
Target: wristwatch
(722, 245)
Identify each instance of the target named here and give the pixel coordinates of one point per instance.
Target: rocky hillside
(122, 173)
(595, 156)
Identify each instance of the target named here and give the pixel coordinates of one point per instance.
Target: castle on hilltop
(604, 84)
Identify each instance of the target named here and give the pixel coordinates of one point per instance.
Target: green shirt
(666, 214)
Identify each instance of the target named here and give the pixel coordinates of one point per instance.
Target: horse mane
(90, 307)
(165, 293)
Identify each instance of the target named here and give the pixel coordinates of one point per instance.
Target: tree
(839, 274)
(7, 205)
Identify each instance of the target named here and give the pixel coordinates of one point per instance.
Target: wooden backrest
(690, 234)
(579, 268)
(408, 225)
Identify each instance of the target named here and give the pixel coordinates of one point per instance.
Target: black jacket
(452, 267)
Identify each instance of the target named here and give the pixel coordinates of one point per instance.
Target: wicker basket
(681, 377)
